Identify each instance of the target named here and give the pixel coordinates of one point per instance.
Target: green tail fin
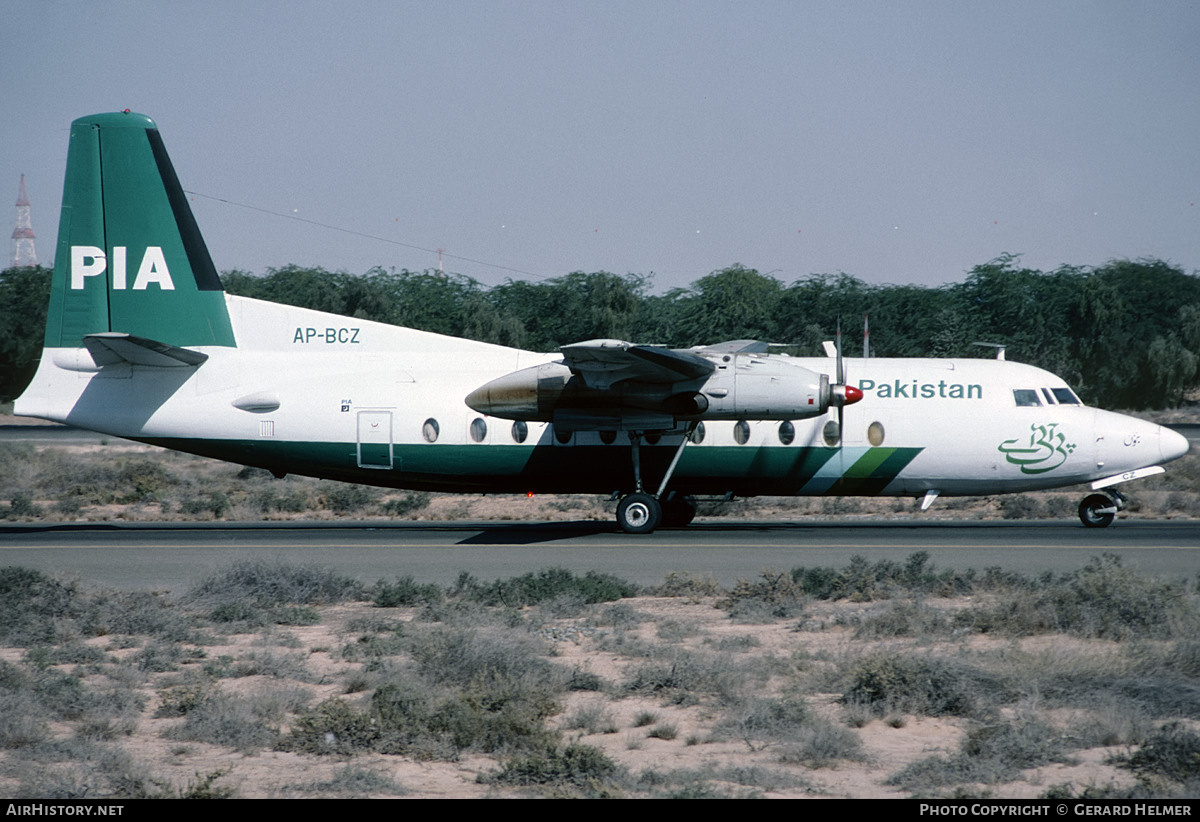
(130, 257)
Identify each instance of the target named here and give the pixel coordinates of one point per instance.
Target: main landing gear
(640, 512)
(1099, 510)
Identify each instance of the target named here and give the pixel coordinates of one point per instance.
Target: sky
(898, 142)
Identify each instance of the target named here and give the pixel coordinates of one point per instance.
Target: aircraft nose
(1172, 444)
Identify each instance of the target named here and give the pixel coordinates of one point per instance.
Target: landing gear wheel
(1097, 511)
(639, 513)
(678, 512)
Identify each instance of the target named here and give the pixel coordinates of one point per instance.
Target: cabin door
(375, 439)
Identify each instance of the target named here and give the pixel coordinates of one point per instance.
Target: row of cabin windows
(430, 430)
(1052, 396)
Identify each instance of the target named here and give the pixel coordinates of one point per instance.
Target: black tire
(678, 512)
(639, 514)
(1097, 511)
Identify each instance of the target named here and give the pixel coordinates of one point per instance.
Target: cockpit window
(1026, 396)
(1049, 397)
(1066, 396)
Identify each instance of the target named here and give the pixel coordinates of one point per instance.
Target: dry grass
(648, 696)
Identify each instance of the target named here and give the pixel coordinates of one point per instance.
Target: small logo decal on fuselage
(91, 261)
(1045, 449)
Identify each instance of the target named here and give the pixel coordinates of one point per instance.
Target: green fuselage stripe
(872, 472)
(742, 470)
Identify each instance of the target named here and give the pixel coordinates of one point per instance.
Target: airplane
(143, 343)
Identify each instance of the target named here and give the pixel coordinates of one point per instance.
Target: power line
(354, 233)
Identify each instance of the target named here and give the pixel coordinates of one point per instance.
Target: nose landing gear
(1099, 510)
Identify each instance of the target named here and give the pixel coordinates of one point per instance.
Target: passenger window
(787, 432)
(741, 432)
(608, 437)
(831, 433)
(698, 434)
(1026, 396)
(519, 431)
(875, 433)
(430, 430)
(478, 429)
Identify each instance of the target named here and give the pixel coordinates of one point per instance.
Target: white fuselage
(329, 396)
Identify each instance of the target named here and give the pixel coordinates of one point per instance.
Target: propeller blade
(840, 394)
(841, 374)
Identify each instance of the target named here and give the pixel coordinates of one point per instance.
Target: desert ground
(883, 680)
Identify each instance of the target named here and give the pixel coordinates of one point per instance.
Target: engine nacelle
(742, 387)
(758, 388)
(530, 394)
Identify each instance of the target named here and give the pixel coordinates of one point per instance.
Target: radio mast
(24, 254)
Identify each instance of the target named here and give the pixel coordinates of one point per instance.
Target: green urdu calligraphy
(1045, 450)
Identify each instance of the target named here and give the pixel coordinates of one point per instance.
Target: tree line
(1125, 334)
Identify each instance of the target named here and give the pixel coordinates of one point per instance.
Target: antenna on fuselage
(998, 346)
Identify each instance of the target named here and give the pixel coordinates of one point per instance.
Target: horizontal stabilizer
(113, 347)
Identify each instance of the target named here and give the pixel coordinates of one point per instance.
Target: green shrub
(267, 583)
(180, 700)
(408, 504)
(33, 606)
(775, 595)
(990, 752)
(862, 581)
(21, 506)
(901, 619)
(666, 731)
(333, 727)
(884, 682)
(405, 591)
(237, 611)
(550, 583)
(577, 766)
(1021, 506)
(215, 503)
(344, 498)
(353, 781)
(1104, 600)
(267, 500)
(1172, 752)
(820, 743)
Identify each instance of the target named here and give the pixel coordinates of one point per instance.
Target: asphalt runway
(174, 556)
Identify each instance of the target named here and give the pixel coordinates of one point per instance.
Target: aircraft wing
(735, 347)
(602, 363)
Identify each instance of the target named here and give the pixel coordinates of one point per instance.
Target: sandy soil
(887, 745)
